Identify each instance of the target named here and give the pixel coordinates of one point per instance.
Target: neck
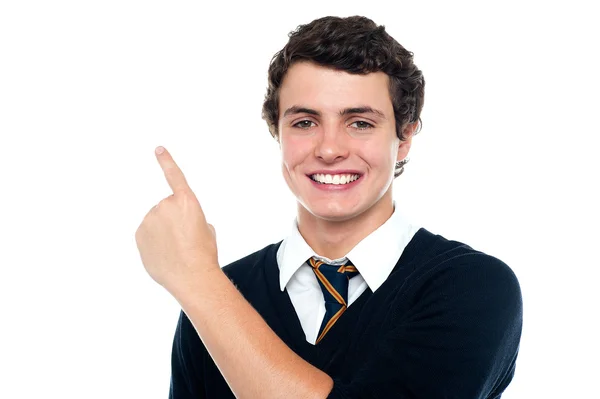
(333, 239)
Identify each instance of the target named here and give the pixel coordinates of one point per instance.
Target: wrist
(195, 284)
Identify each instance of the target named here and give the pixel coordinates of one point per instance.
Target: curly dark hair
(356, 45)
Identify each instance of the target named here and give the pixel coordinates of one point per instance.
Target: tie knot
(347, 268)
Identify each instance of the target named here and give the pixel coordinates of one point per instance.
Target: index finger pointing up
(173, 174)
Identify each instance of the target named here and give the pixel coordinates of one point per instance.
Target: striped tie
(334, 283)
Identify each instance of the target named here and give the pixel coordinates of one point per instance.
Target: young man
(357, 302)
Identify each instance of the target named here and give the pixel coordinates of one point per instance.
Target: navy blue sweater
(445, 324)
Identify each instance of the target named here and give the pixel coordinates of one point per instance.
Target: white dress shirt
(374, 257)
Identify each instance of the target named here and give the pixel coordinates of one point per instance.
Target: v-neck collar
(321, 354)
(318, 354)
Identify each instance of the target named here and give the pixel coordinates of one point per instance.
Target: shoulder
(461, 261)
(452, 312)
(445, 258)
(452, 275)
(239, 270)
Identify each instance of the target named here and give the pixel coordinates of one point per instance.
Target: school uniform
(421, 316)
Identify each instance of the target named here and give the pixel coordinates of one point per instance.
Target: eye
(305, 124)
(362, 125)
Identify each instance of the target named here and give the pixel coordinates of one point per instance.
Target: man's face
(325, 127)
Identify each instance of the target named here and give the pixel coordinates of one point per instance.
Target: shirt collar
(374, 257)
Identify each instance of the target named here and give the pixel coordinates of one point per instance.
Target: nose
(332, 144)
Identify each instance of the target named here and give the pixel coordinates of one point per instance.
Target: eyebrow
(346, 111)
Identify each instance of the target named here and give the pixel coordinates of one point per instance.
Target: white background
(88, 89)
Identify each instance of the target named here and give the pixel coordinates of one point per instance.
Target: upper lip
(335, 172)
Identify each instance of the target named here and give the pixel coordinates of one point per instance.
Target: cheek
(293, 152)
(376, 155)
(291, 159)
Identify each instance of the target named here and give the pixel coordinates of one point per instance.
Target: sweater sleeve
(458, 337)
(186, 362)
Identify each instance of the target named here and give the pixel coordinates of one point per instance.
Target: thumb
(212, 230)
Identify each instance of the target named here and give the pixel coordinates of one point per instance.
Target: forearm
(254, 361)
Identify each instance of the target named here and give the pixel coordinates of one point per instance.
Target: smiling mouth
(334, 180)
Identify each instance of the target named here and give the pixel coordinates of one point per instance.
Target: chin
(332, 211)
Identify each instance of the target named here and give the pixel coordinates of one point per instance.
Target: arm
(254, 361)
(179, 250)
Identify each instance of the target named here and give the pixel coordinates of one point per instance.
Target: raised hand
(176, 244)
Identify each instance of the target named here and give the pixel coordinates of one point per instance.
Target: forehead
(327, 89)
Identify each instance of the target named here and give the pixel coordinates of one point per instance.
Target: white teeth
(335, 179)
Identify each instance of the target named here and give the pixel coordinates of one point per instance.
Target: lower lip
(335, 187)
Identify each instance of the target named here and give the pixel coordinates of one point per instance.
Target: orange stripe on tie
(330, 288)
(331, 322)
(315, 263)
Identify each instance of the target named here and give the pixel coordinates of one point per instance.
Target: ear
(404, 147)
